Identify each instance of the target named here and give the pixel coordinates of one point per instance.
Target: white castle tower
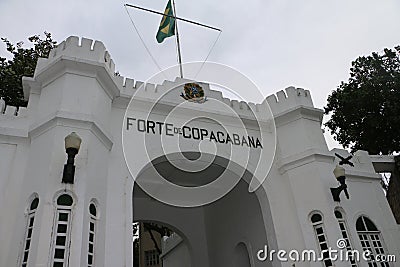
(46, 222)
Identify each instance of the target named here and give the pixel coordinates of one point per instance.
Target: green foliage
(22, 64)
(365, 111)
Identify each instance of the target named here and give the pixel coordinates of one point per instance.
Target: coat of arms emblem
(193, 93)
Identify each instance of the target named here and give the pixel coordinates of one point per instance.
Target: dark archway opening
(206, 236)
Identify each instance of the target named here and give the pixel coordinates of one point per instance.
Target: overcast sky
(276, 43)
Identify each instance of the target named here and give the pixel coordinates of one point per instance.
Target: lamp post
(72, 145)
(340, 175)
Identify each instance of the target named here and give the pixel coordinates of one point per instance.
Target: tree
(23, 63)
(365, 110)
(152, 229)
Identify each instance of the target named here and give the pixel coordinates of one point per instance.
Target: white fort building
(55, 215)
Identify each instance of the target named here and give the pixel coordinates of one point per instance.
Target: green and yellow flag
(167, 25)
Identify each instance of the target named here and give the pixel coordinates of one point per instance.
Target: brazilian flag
(167, 25)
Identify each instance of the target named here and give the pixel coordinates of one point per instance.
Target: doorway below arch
(207, 236)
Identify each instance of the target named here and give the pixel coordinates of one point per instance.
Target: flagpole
(177, 40)
(175, 17)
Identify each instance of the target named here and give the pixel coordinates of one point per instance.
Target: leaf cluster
(365, 110)
(23, 63)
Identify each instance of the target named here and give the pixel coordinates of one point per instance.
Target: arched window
(318, 224)
(62, 231)
(29, 229)
(343, 229)
(92, 233)
(370, 238)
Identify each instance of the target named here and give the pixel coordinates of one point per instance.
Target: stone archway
(212, 232)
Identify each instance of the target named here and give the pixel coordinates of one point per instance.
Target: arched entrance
(212, 233)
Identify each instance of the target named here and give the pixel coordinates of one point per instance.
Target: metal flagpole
(177, 41)
(175, 17)
(176, 28)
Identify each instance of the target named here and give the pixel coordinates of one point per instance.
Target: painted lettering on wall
(189, 132)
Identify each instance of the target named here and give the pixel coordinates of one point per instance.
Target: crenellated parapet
(169, 92)
(82, 57)
(14, 121)
(282, 102)
(289, 99)
(7, 111)
(79, 49)
(93, 54)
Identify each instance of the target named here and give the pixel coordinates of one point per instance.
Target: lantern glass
(73, 141)
(339, 171)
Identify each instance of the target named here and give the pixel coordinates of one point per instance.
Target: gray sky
(276, 43)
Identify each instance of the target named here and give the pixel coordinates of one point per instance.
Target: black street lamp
(340, 175)
(72, 145)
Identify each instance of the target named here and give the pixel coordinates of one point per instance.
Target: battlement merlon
(85, 56)
(83, 49)
(293, 100)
